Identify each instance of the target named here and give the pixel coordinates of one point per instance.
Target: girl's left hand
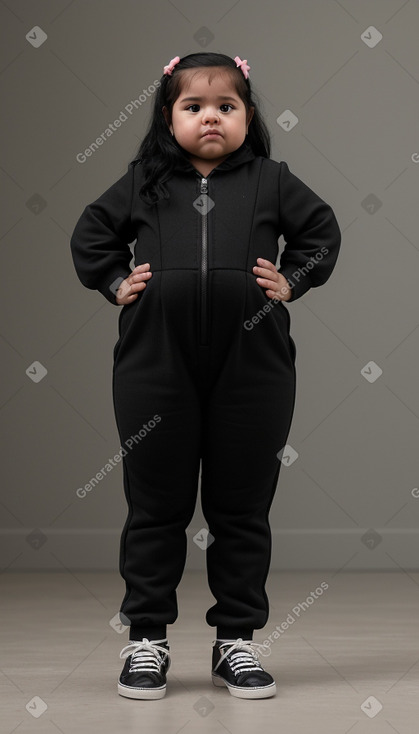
(276, 283)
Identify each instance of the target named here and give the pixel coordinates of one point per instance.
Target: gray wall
(350, 500)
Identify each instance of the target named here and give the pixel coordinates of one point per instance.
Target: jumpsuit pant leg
(156, 397)
(249, 413)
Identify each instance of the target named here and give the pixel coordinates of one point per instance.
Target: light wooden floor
(346, 654)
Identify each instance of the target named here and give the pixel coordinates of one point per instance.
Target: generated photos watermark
(129, 108)
(129, 443)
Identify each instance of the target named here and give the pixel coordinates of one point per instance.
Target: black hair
(160, 152)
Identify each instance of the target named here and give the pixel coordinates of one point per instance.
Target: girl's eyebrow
(199, 99)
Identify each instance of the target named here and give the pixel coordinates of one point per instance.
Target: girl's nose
(211, 117)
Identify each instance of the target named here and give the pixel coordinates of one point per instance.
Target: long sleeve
(99, 243)
(311, 233)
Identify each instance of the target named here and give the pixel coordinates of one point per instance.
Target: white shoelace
(145, 656)
(246, 657)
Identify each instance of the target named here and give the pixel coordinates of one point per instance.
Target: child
(204, 367)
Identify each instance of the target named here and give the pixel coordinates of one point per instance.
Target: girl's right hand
(129, 288)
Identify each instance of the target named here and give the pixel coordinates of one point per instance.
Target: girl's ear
(249, 116)
(166, 117)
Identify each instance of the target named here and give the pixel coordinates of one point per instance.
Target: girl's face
(201, 107)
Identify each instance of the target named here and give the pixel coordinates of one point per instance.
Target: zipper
(203, 337)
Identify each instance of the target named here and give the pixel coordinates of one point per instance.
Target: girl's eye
(197, 106)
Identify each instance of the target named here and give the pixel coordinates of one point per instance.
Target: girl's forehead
(207, 79)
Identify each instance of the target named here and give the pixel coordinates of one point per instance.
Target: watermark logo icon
(36, 539)
(203, 538)
(36, 706)
(371, 706)
(371, 203)
(36, 36)
(371, 36)
(203, 706)
(117, 623)
(287, 120)
(36, 204)
(371, 371)
(371, 539)
(36, 371)
(203, 36)
(203, 204)
(287, 455)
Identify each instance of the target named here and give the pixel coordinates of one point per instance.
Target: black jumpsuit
(204, 369)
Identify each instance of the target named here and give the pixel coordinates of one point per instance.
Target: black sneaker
(236, 665)
(144, 672)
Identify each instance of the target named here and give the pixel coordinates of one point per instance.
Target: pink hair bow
(243, 65)
(169, 68)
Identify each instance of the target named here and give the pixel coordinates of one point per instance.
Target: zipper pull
(204, 185)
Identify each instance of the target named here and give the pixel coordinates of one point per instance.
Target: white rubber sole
(262, 692)
(141, 693)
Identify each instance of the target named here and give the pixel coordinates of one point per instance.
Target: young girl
(204, 367)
